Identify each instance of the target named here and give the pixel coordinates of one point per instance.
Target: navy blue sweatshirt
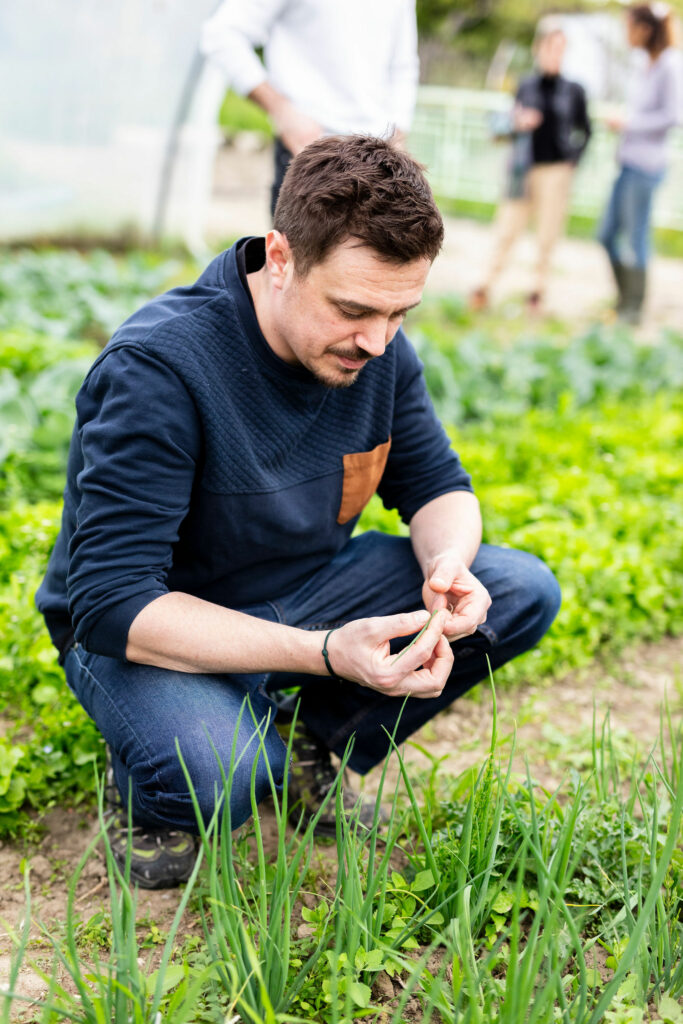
(201, 462)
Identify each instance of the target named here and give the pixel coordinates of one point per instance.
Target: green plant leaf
(423, 880)
(670, 1010)
(173, 975)
(360, 994)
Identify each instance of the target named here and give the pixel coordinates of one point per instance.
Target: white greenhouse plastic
(107, 119)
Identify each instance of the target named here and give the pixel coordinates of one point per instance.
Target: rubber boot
(618, 269)
(633, 294)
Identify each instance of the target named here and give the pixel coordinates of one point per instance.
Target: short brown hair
(357, 186)
(656, 17)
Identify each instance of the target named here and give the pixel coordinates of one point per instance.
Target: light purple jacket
(655, 107)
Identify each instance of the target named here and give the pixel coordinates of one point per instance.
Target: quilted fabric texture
(265, 428)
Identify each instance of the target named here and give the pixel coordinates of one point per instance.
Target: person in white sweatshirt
(328, 68)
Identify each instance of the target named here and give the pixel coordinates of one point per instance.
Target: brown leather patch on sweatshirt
(362, 474)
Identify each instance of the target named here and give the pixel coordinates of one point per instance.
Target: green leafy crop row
(49, 744)
(67, 295)
(492, 374)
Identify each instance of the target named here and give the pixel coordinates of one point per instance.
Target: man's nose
(374, 338)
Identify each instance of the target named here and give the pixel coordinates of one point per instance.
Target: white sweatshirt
(350, 64)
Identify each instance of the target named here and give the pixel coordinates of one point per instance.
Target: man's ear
(279, 259)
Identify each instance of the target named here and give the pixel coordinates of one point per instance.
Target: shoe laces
(156, 837)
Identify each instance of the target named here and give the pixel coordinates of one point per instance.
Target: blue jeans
(625, 229)
(141, 710)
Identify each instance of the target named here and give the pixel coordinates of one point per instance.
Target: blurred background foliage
(478, 26)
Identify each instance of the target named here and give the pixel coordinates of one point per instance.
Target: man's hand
(359, 651)
(451, 586)
(294, 128)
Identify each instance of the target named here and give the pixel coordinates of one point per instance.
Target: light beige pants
(546, 203)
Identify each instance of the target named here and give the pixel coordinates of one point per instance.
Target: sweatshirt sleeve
(421, 464)
(230, 36)
(139, 441)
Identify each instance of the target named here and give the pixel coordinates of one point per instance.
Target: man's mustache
(356, 355)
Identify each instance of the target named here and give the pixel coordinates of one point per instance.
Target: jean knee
(545, 596)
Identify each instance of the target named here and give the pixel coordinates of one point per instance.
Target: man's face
(343, 312)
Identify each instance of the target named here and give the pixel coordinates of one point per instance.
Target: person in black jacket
(549, 129)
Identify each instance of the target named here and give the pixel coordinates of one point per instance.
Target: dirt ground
(632, 689)
(580, 288)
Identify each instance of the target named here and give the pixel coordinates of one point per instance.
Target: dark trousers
(282, 158)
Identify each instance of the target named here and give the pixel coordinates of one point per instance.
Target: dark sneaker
(311, 777)
(159, 858)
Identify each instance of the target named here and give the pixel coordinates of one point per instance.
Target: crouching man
(226, 441)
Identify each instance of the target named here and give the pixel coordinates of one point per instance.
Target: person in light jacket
(654, 108)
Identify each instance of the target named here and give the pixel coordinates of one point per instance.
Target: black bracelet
(326, 655)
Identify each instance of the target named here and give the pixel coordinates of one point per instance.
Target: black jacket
(572, 124)
(572, 127)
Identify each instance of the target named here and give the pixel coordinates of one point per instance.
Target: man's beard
(337, 383)
(348, 377)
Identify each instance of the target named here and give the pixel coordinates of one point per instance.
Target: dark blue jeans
(625, 229)
(141, 710)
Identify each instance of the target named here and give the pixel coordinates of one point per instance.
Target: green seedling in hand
(414, 640)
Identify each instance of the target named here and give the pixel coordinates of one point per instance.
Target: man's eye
(348, 315)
